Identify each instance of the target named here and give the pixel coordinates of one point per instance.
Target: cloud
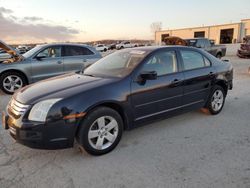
(33, 18)
(4, 10)
(19, 29)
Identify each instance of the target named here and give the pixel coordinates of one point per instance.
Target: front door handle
(85, 60)
(175, 81)
(59, 62)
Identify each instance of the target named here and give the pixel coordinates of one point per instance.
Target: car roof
(64, 44)
(154, 48)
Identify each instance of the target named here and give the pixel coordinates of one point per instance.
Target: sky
(32, 21)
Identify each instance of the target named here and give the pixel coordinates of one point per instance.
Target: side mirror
(149, 75)
(40, 56)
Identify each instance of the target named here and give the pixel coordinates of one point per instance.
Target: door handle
(176, 81)
(59, 62)
(85, 60)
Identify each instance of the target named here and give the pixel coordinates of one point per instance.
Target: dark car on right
(244, 51)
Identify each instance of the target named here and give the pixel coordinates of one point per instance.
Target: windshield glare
(31, 52)
(118, 64)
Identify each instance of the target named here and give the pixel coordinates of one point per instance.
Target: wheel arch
(223, 84)
(113, 105)
(219, 52)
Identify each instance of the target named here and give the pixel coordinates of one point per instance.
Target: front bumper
(56, 135)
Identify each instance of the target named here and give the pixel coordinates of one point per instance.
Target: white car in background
(101, 48)
(125, 44)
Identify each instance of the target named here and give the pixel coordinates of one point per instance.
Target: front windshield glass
(31, 52)
(118, 64)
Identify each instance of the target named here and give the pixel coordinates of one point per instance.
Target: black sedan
(126, 89)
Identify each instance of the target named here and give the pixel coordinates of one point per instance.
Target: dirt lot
(193, 150)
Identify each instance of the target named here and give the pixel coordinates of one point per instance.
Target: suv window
(76, 51)
(200, 43)
(162, 62)
(207, 43)
(51, 52)
(193, 60)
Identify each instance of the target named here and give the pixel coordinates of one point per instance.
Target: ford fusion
(124, 90)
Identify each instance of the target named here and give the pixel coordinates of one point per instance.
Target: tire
(12, 81)
(105, 50)
(90, 132)
(121, 47)
(218, 55)
(216, 100)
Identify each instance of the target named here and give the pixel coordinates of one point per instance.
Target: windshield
(32, 51)
(118, 64)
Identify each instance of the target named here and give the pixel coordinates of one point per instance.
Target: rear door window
(76, 51)
(193, 60)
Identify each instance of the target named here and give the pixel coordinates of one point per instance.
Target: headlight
(40, 110)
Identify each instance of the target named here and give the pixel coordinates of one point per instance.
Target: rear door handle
(59, 62)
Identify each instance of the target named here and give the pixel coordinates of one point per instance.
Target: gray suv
(43, 61)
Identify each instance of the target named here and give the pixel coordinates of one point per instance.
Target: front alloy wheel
(103, 132)
(100, 131)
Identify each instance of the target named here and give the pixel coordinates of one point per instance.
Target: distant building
(221, 34)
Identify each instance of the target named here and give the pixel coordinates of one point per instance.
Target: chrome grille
(17, 108)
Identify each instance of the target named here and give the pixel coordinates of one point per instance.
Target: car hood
(59, 87)
(9, 50)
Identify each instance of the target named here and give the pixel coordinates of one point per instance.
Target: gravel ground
(193, 150)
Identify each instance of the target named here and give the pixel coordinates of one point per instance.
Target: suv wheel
(12, 81)
(216, 100)
(100, 131)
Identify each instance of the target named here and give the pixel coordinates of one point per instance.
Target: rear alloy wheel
(11, 81)
(216, 100)
(100, 131)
